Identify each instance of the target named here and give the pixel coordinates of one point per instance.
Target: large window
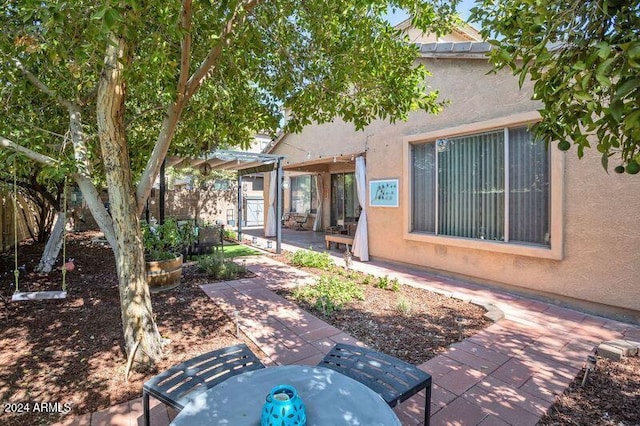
(488, 186)
(303, 194)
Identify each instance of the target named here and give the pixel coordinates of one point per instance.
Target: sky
(463, 9)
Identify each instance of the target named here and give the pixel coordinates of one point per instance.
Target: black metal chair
(179, 384)
(210, 238)
(393, 379)
(301, 221)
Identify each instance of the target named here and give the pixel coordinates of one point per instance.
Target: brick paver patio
(508, 374)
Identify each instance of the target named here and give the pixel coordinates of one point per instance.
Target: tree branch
(198, 77)
(185, 46)
(35, 156)
(43, 87)
(174, 111)
(33, 188)
(58, 135)
(142, 113)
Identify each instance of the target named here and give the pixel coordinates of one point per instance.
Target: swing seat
(21, 296)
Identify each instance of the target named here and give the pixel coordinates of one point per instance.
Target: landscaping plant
(330, 293)
(310, 259)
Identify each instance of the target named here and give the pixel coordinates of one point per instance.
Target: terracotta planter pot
(164, 274)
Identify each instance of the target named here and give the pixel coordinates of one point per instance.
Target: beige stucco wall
(600, 250)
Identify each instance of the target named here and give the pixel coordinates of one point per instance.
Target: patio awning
(323, 164)
(245, 163)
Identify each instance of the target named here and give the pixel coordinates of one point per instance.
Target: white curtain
(317, 224)
(361, 239)
(270, 226)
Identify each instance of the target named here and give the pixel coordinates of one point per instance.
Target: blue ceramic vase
(283, 407)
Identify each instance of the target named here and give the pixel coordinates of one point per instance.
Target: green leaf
(632, 120)
(580, 66)
(112, 17)
(583, 96)
(616, 109)
(99, 14)
(626, 87)
(604, 160)
(604, 68)
(604, 49)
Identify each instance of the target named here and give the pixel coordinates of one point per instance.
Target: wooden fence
(7, 218)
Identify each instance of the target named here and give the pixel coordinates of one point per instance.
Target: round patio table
(330, 398)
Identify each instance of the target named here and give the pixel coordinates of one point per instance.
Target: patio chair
(210, 237)
(181, 383)
(393, 379)
(286, 218)
(301, 220)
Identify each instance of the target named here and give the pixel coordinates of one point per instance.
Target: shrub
(219, 268)
(310, 259)
(230, 235)
(329, 294)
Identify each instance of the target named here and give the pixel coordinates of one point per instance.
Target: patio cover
(245, 163)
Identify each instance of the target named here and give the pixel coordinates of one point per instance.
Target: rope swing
(36, 295)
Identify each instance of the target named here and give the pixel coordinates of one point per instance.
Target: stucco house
(470, 193)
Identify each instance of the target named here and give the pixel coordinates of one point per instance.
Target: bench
(338, 239)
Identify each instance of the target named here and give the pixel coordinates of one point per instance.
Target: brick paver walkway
(508, 374)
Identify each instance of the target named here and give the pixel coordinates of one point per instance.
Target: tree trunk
(142, 339)
(53, 246)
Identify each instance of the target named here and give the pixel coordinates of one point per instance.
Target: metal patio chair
(178, 385)
(393, 379)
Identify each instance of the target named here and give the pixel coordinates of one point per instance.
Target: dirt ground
(610, 396)
(71, 351)
(411, 324)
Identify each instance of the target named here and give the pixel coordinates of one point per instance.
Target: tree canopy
(584, 57)
(135, 80)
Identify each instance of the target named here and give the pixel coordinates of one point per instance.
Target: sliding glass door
(344, 200)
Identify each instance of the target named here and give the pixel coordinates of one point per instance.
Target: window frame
(556, 195)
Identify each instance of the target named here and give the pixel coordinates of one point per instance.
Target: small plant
(230, 235)
(382, 282)
(310, 259)
(219, 268)
(368, 279)
(387, 284)
(403, 306)
(166, 241)
(395, 285)
(329, 294)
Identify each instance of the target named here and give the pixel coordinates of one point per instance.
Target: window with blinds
(488, 186)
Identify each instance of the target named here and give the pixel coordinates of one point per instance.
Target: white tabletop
(330, 398)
